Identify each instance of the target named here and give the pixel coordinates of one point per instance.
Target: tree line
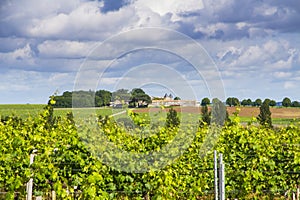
(264, 117)
(233, 101)
(134, 98)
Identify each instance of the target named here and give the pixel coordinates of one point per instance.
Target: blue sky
(58, 45)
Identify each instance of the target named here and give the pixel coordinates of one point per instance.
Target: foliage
(247, 102)
(172, 119)
(205, 101)
(272, 103)
(103, 98)
(139, 98)
(219, 114)
(121, 95)
(75, 99)
(257, 102)
(205, 116)
(260, 162)
(100, 98)
(232, 101)
(295, 104)
(286, 102)
(264, 116)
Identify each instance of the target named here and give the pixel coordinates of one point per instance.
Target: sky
(192, 49)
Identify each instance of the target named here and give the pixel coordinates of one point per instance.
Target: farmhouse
(167, 100)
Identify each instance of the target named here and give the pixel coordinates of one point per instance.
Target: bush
(172, 119)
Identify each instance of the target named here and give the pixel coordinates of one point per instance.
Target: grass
(26, 110)
(275, 121)
(21, 110)
(83, 111)
(284, 121)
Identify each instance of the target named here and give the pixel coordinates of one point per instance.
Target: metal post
(30, 182)
(223, 181)
(216, 174)
(220, 175)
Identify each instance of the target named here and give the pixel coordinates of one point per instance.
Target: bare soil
(277, 112)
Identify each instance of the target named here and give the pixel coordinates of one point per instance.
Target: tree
(286, 102)
(295, 104)
(177, 98)
(264, 116)
(205, 119)
(67, 94)
(205, 101)
(103, 98)
(244, 102)
(81, 99)
(172, 119)
(219, 113)
(272, 103)
(121, 95)
(257, 102)
(249, 102)
(139, 98)
(232, 101)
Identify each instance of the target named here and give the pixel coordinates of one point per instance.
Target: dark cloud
(189, 29)
(53, 36)
(230, 20)
(113, 5)
(286, 19)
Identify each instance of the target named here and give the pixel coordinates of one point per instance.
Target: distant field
(277, 112)
(280, 115)
(21, 110)
(26, 110)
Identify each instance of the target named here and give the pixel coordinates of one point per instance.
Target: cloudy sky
(191, 48)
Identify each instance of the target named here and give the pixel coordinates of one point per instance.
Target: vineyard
(72, 159)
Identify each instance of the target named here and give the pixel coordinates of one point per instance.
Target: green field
(32, 110)
(21, 110)
(141, 160)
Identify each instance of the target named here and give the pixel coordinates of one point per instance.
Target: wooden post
(53, 195)
(294, 196)
(30, 182)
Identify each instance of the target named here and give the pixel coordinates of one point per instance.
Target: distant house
(117, 104)
(168, 101)
(157, 103)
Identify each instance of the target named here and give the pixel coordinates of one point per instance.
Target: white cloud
(282, 74)
(20, 56)
(265, 10)
(64, 49)
(19, 80)
(266, 56)
(86, 21)
(289, 85)
(250, 41)
(164, 7)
